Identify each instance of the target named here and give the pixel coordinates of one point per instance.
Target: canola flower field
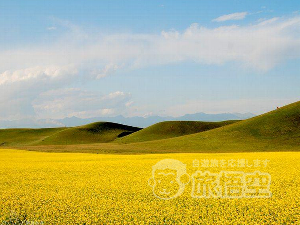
(71, 188)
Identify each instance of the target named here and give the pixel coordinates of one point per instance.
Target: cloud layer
(261, 46)
(28, 74)
(75, 102)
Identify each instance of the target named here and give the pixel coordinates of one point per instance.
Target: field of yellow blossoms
(66, 188)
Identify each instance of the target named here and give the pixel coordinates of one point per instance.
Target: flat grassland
(76, 188)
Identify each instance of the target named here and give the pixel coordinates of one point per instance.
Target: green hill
(278, 130)
(14, 137)
(100, 132)
(171, 129)
(274, 131)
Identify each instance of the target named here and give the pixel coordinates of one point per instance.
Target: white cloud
(232, 16)
(115, 95)
(51, 28)
(75, 102)
(173, 34)
(27, 74)
(128, 104)
(93, 113)
(35, 73)
(107, 70)
(263, 22)
(261, 46)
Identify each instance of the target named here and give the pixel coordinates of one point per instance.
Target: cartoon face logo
(168, 179)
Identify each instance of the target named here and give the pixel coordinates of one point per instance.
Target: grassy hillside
(170, 129)
(100, 132)
(276, 130)
(14, 137)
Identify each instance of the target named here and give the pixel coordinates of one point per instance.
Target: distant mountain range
(132, 121)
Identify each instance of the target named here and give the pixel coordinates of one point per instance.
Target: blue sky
(139, 58)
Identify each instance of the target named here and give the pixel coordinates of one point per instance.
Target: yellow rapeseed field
(66, 188)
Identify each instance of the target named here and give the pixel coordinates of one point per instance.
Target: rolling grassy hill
(170, 129)
(14, 137)
(277, 130)
(100, 132)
